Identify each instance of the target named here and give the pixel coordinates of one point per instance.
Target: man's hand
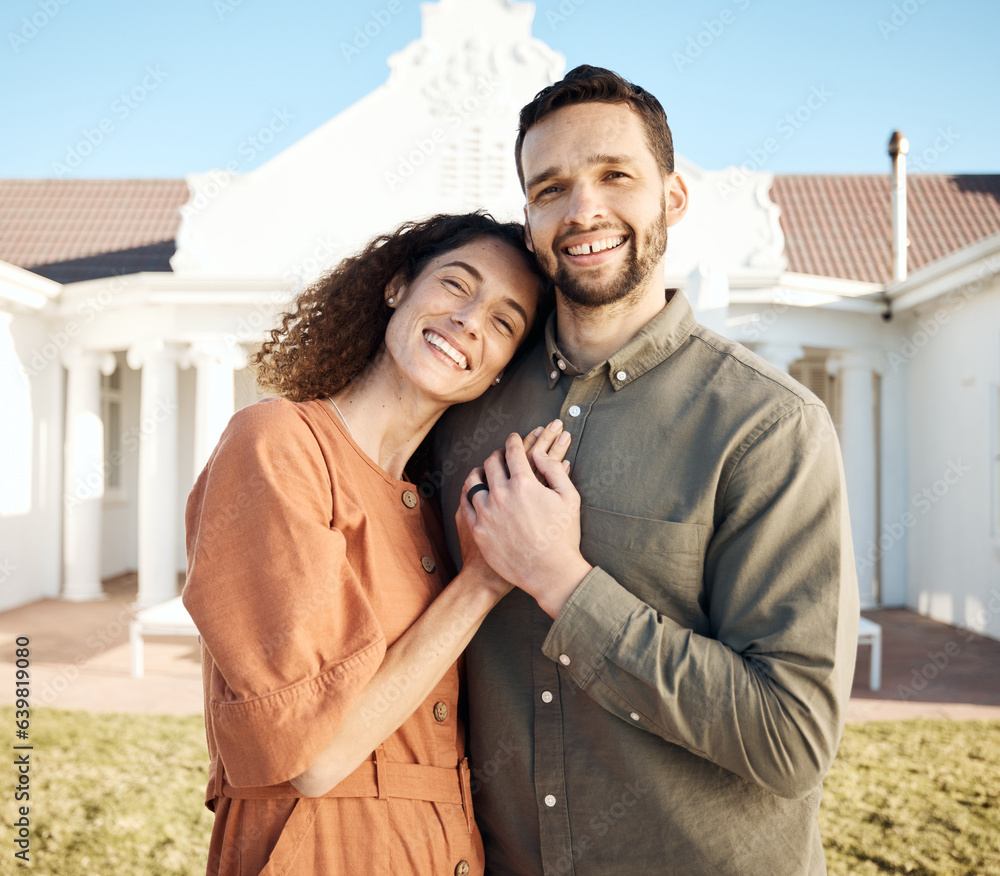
(528, 531)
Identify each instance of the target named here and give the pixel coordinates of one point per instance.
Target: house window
(111, 415)
(811, 373)
(474, 166)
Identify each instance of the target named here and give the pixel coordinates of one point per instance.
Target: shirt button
(462, 868)
(561, 364)
(550, 801)
(574, 411)
(553, 375)
(564, 659)
(428, 564)
(410, 499)
(634, 716)
(440, 712)
(546, 696)
(621, 375)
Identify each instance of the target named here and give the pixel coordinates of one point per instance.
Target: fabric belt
(377, 778)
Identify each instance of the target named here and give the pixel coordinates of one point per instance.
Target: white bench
(870, 633)
(166, 619)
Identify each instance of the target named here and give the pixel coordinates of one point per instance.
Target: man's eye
(455, 285)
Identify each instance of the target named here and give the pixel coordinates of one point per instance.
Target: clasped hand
(527, 525)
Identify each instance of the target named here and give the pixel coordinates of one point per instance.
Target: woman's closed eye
(505, 325)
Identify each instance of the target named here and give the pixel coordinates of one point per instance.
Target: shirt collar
(656, 341)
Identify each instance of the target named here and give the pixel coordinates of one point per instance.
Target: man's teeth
(596, 246)
(439, 343)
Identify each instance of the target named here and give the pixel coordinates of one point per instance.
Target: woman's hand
(546, 441)
(527, 527)
(473, 562)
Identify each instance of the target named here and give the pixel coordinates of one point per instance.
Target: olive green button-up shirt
(680, 713)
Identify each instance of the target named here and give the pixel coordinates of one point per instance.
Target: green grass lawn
(121, 794)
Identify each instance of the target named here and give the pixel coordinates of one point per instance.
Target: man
(664, 690)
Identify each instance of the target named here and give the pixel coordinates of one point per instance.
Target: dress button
(462, 868)
(409, 499)
(634, 716)
(553, 375)
(564, 659)
(561, 364)
(550, 801)
(574, 411)
(622, 375)
(428, 564)
(440, 712)
(546, 696)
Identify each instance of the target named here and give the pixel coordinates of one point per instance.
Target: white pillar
(16, 434)
(215, 394)
(83, 473)
(158, 524)
(780, 356)
(857, 443)
(708, 293)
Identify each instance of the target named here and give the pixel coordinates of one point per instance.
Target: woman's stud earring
(390, 301)
(497, 380)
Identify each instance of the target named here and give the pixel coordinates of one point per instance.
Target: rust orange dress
(305, 562)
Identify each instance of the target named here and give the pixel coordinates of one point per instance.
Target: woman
(316, 571)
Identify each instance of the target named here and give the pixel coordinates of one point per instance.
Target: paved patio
(80, 659)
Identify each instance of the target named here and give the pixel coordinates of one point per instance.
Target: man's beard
(627, 282)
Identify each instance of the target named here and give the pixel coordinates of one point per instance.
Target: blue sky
(824, 83)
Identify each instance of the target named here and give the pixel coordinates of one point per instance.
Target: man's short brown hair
(586, 84)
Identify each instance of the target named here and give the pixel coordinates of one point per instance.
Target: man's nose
(585, 205)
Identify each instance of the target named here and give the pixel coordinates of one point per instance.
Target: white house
(128, 308)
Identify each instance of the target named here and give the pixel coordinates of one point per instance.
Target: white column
(158, 524)
(780, 356)
(707, 291)
(857, 444)
(215, 394)
(16, 434)
(83, 473)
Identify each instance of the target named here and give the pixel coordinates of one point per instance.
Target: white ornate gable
(436, 137)
(731, 223)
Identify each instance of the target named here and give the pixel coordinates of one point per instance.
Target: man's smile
(596, 245)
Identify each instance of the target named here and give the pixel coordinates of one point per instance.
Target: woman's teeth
(439, 343)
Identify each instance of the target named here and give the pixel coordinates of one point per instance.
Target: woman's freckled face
(457, 324)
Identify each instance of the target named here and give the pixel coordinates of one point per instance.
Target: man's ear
(676, 195)
(395, 289)
(528, 242)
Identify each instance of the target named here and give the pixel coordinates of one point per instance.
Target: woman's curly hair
(337, 324)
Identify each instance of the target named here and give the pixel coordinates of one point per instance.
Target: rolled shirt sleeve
(760, 691)
(282, 614)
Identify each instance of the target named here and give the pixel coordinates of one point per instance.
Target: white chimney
(898, 147)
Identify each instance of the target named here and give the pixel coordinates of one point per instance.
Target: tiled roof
(835, 225)
(69, 230)
(841, 225)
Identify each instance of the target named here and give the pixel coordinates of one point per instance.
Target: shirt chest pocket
(659, 561)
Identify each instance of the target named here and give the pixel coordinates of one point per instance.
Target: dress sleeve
(764, 694)
(282, 614)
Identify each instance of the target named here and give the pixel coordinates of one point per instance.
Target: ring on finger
(475, 488)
